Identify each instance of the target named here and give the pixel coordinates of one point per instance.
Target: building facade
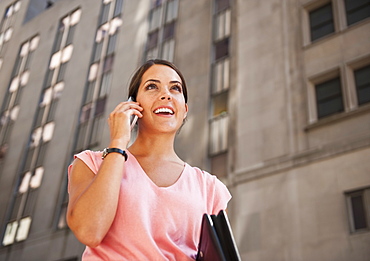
(279, 110)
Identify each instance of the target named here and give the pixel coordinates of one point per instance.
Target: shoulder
(217, 193)
(207, 178)
(92, 159)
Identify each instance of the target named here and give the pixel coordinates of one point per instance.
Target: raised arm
(93, 198)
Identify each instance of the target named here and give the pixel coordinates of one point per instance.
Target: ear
(186, 110)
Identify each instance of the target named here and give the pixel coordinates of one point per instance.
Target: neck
(160, 146)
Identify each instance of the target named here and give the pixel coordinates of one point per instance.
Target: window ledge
(338, 117)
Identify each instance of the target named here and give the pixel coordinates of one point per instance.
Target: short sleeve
(222, 197)
(92, 159)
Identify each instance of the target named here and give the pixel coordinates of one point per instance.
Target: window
(362, 81)
(357, 10)
(321, 22)
(358, 203)
(329, 98)
(6, 26)
(162, 30)
(219, 122)
(11, 107)
(32, 172)
(91, 120)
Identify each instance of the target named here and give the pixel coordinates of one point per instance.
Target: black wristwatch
(106, 151)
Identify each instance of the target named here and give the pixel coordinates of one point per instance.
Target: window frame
(365, 193)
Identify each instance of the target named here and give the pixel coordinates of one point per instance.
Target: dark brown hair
(136, 79)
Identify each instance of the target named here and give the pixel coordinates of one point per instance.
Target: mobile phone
(133, 118)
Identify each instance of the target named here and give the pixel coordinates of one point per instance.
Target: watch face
(105, 153)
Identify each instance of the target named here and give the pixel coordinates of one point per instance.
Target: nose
(166, 95)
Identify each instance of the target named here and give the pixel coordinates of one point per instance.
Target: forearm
(92, 213)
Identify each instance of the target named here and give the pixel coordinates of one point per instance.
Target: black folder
(216, 241)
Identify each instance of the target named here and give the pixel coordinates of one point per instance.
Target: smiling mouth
(164, 111)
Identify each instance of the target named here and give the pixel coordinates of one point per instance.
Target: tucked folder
(216, 241)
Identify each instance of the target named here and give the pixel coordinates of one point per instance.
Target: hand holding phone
(133, 118)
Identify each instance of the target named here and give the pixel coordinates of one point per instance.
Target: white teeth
(163, 110)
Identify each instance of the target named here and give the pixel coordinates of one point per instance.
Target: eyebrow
(158, 81)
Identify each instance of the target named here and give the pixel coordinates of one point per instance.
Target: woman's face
(161, 96)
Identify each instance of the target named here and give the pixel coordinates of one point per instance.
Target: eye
(151, 86)
(177, 88)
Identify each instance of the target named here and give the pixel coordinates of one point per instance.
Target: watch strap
(106, 151)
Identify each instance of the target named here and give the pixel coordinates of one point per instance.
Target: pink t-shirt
(157, 223)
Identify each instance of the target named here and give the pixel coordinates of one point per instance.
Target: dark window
(85, 113)
(221, 5)
(169, 31)
(329, 98)
(58, 38)
(28, 62)
(100, 106)
(357, 10)
(62, 71)
(17, 65)
(222, 48)
(97, 51)
(152, 40)
(118, 8)
(71, 32)
(358, 210)
(104, 14)
(112, 44)
(49, 77)
(362, 79)
(52, 110)
(321, 22)
(358, 204)
(108, 63)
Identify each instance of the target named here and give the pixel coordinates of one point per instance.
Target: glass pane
(358, 210)
(10, 231)
(89, 92)
(152, 40)
(112, 44)
(97, 51)
(23, 187)
(221, 48)
(40, 113)
(100, 106)
(42, 154)
(221, 5)
(108, 63)
(70, 35)
(62, 71)
(24, 227)
(155, 19)
(362, 80)
(330, 107)
(321, 22)
(58, 38)
(28, 162)
(220, 102)
(85, 113)
(105, 84)
(118, 8)
(48, 131)
(171, 12)
(357, 10)
(328, 89)
(37, 178)
(104, 13)
(169, 31)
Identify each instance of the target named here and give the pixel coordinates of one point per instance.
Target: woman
(143, 202)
